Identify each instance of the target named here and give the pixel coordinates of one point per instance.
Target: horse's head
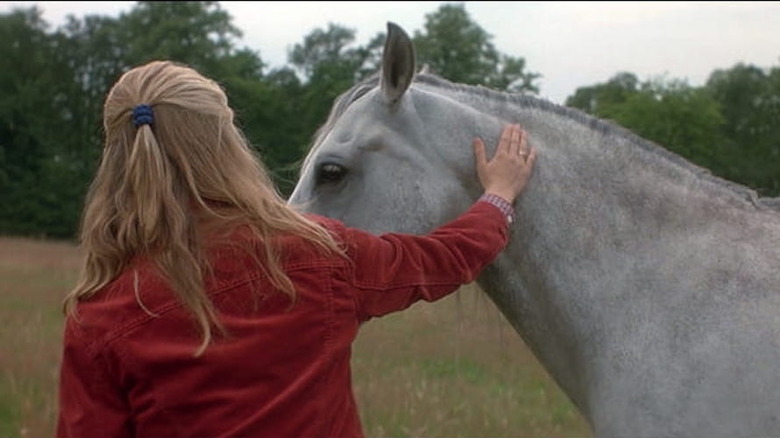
(394, 155)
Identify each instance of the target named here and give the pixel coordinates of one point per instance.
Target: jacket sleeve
(89, 404)
(392, 271)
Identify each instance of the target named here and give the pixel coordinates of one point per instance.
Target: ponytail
(166, 162)
(158, 221)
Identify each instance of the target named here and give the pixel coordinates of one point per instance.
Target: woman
(207, 306)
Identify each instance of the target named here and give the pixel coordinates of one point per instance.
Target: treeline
(731, 125)
(54, 81)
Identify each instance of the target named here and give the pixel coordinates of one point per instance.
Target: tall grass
(453, 368)
(34, 275)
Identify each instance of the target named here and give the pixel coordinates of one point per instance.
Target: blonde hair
(152, 179)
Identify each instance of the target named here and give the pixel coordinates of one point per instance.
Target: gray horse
(647, 287)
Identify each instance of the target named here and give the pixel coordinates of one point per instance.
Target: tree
(681, 118)
(731, 125)
(329, 64)
(38, 184)
(458, 49)
(595, 98)
(50, 108)
(322, 49)
(669, 112)
(200, 34)
(268, 112)
(749, 98)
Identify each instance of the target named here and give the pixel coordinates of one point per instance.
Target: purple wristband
(502, 204)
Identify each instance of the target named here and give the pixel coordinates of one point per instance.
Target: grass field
(453, 368)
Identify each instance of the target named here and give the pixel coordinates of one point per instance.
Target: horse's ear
(398, 63)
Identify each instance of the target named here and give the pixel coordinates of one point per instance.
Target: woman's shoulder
(332, 225)
(116, 303)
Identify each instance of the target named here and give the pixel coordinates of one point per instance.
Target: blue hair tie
(143, 115)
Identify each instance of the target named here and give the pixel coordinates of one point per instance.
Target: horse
(646, 286)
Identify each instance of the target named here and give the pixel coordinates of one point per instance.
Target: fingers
(507, 172)
(479, 152)
(531, 158)
(505, 142)
(515, 140)
(523, 146)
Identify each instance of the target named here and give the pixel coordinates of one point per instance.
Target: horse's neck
(599, 214)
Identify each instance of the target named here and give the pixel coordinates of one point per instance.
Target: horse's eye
(330, 173)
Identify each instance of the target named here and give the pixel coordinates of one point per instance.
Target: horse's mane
(604, 127)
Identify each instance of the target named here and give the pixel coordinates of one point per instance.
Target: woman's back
(281, 367)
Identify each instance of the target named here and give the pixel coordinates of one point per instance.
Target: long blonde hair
(152, 178)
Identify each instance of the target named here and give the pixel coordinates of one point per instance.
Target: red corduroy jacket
(280, 371)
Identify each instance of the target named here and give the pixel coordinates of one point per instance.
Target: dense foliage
(55, 81)
(731, 125)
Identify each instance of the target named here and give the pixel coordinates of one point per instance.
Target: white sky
(572, 44)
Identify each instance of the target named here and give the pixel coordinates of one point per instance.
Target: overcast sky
(571, 44)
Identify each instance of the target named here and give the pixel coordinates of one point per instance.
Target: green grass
(453, 368)
(33, 278)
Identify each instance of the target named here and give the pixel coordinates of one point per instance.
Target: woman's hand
(507, 173)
